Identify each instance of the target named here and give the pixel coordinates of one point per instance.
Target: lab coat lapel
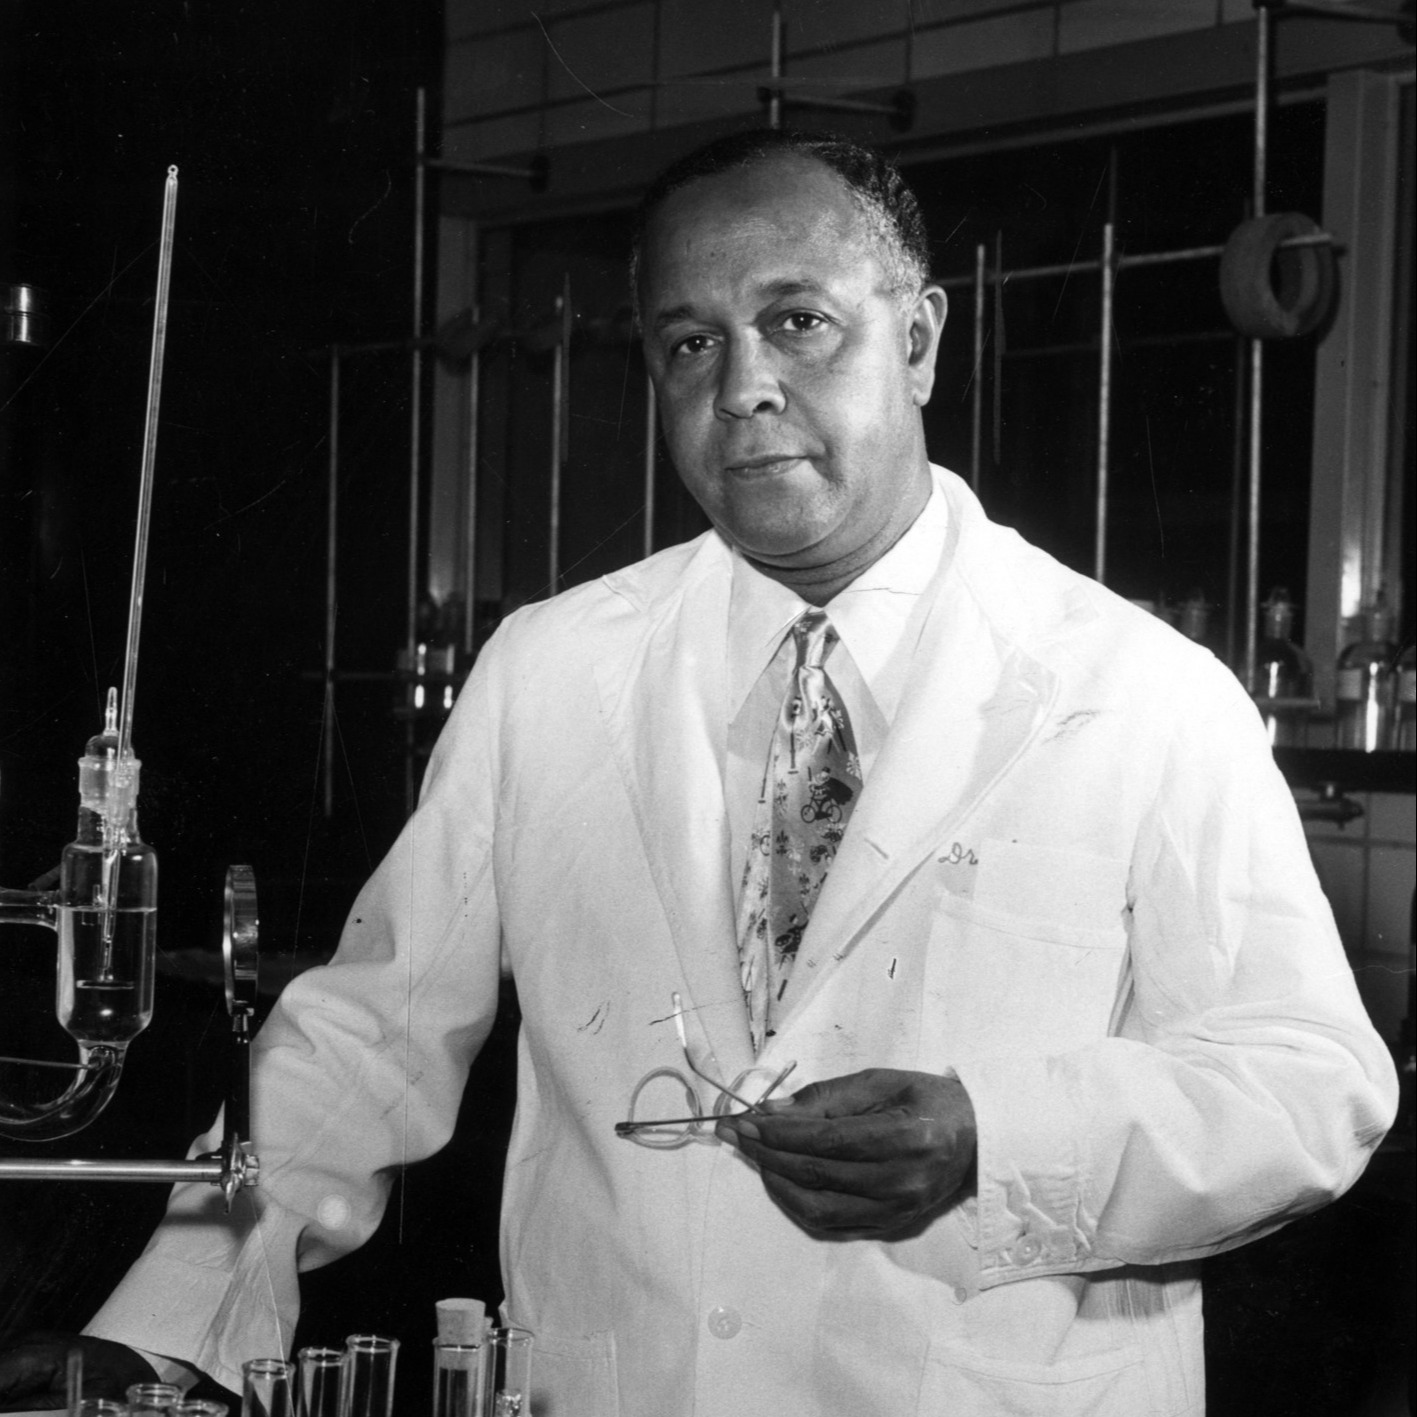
(663, 700)
(973, 703)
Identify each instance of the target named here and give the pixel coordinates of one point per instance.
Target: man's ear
(927, 321)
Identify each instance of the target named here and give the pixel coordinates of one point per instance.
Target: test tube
(367, 1384)
(458, 1379)
(267, 1388)
(152, 1399)
(511, 1360)
(320, 1372)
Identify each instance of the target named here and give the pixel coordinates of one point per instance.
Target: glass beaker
(459, 1374)
(320, 1373)
(367, 1384)
(509, 1361)
(268, 1388)
(97, 1407)
(200, 1407)
(152, 1399)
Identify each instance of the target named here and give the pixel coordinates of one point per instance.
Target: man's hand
(34, 1369)
(865, 1156)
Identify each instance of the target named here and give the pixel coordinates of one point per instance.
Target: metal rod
(998, 385)
(560, 418)
(977, 391)
(474, 416)
(474, 410)
(416, 392)
(31, 1169)
(1122, 262)
(331, 604)
(775, 96)
(651, 430)
(1239, 460)
(478, 169)
(1104, 404)
(145, 483)
(1252, 549)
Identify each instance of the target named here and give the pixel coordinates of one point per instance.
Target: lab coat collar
(975, 699)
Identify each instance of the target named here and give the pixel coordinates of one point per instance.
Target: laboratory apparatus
(1404, 718)
(1364, 683)
(460, 1352)
(267, 1388)
(367, 1387)
(1284, 678)
(320, 1370)
(104, 908)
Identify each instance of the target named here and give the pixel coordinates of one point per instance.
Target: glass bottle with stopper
(107, 901)
(1363, 684)
(461, 1372)
(1284, 677)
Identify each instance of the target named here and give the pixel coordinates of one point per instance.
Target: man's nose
(748, 382)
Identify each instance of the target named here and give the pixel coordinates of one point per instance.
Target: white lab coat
(1074, 877)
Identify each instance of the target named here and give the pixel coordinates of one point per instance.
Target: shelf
(1350, 770)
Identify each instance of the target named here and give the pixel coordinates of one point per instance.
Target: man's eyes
(793, 322)
(690, 345)
(801, 322)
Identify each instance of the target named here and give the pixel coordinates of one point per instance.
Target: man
(1039, 949)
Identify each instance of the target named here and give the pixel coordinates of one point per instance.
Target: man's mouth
(764, 465)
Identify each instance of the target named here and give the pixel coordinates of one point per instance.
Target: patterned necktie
(811, 783)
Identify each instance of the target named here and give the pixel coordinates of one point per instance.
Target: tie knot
(815, 638)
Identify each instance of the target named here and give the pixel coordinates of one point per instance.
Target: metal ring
(240, 939)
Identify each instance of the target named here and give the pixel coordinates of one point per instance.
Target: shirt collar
(762, 610)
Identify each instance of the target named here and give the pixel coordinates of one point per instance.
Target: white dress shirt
(876, 618)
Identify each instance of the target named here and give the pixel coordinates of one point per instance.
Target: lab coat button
(724, 1322)
(1027, 1250)
(961, 1293)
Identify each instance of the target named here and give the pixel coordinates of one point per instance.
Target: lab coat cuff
(1029, 1214)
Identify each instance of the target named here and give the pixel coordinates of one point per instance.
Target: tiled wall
(1368, 870)
(523, 76)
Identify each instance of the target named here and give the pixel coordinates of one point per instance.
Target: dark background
(292, 126)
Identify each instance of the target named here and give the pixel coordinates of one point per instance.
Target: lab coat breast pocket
(1027, 953)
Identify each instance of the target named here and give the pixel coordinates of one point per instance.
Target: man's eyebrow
(785, 288)
(673, 315)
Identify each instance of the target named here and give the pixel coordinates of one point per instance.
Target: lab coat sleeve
(1244, 1084)
(358, 1070)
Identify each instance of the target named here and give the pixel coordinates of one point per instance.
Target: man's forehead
(775, 190)
(782, 227)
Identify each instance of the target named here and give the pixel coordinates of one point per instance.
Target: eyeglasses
(659, 1089)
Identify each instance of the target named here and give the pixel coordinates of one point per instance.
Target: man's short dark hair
(878, 189)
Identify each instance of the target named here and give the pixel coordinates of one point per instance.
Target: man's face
(789, 374)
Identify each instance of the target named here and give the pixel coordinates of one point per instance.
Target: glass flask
(1363, 684)
(1284, 677)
